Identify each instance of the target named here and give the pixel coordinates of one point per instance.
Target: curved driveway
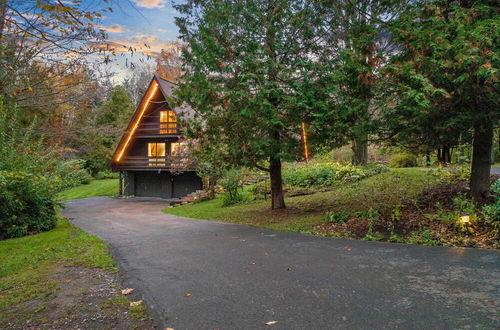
(196, 274)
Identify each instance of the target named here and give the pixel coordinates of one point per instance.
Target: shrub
(327, 174)
(231, 182)
(23, 149)
(491, 213)
(403, 160)
(336, 217)
(261, 190)
(452, 174)
(26, 204)
(70, 173)
(106, 175)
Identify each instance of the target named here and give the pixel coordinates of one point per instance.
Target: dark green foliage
(106, 175)
(117, 109)
(445, 80)
(231, 182)
(22, 149)
(347, 90)
(70, 173)
(491, 213)
(336, 217)
(26, 204)
(327, 174)
(403, 160)
(98, 142)
(245, 61)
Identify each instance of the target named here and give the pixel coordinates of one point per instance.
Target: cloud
(150, 3)
(114, 28)
(140, 43)
(163, 30)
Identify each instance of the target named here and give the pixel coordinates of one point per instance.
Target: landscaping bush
(70, 173)
(231, 182)
(261, 190)
(26, 204)
(403, 160)
(452, 174)
(106, 175)
(22, 149)
(327, 174)
(491, 213)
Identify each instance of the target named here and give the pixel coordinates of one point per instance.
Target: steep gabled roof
(166, 88)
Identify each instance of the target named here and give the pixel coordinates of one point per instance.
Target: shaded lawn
(27, 263)
(106, 187)
(35, 270)
(382, 191)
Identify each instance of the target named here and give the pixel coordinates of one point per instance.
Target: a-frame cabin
(144, 156)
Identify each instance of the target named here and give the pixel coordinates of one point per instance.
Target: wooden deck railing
(156, 129)
(148, 163)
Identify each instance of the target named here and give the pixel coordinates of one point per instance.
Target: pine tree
(447, 77)
(244, 60)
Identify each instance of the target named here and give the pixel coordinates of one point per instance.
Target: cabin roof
(166, 88)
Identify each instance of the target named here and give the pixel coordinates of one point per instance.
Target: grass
(106, 187)
(381, 191)
(29, 262)
(137, 312)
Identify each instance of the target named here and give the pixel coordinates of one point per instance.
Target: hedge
(27, 204)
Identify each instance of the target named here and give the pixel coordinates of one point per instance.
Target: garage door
(153, 184)
(185, 183)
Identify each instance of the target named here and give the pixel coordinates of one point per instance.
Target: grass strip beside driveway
(61, 278)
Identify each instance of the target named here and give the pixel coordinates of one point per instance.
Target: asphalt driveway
(196, 274)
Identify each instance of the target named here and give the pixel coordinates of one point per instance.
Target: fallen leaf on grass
(271, 322)
(127, 291)
(135, 303)
(187, 294)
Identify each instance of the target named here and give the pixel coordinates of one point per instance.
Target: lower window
(156, 150)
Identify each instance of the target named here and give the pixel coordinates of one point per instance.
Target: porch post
(120, 184)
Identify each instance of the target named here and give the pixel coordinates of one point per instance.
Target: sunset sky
(139, 22)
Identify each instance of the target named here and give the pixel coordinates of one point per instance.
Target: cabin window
(156, 150)
(168, 122)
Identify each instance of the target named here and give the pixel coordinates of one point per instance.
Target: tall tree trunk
(3, 11)
(446, 154)
(360, 151)
(481, 160)
(212, 181)
(277, 197)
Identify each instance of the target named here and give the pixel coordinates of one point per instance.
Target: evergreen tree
(447, 78)
(244, 60)
(355, 47)
(99, 135)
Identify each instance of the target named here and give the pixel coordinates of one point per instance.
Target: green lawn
(381, 191)
(106, 187)
(35, 272)
(28, 263)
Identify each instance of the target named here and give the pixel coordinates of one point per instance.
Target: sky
(136, 23)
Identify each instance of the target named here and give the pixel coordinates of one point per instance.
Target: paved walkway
(196, 274)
